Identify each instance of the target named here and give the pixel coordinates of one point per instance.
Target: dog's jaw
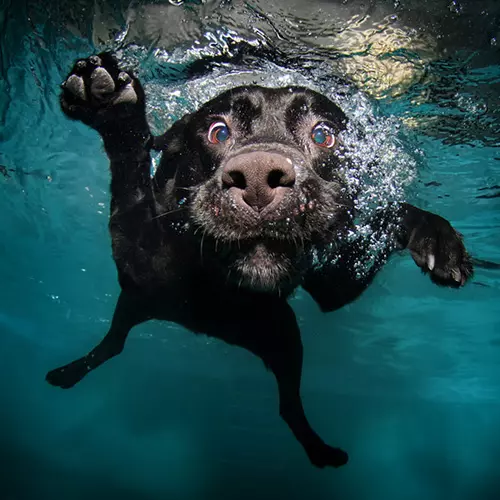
(265, 268)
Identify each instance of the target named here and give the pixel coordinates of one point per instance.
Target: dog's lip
(280, 211)
(269, 244)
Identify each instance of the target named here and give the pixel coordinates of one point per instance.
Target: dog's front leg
(436, 247)
(111, 101)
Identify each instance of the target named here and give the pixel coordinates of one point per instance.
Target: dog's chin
(262, 269)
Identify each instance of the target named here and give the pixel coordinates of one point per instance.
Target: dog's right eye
(218, 132)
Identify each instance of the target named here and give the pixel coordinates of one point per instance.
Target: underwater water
(406, 379)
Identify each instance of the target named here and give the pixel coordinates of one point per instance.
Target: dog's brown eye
(218, 132)
(323, 136)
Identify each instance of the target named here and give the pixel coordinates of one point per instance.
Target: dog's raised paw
(97, 91)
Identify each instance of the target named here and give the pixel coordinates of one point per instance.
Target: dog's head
(262, 167)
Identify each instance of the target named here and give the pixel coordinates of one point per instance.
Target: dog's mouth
(294, 217)
(259, 264)
(263, 251)
(266, 250)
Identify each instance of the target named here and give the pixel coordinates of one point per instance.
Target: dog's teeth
(431, 261)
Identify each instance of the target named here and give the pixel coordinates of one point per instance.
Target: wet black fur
(185, 252)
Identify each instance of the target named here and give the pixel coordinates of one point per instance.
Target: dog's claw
(81, 65)
(437, 248)
(95, 60)
(457, 275)
(431, 261)
(124, 78)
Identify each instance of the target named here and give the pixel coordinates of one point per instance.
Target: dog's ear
(177, 156)
(173, 139)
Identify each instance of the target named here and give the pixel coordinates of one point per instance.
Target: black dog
(248, 203)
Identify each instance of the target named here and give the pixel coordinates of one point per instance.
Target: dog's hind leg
(279, 345)
(130, 311)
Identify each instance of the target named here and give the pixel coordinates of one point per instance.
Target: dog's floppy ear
(173, 138)
(176, 154)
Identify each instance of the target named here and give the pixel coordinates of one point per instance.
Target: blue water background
(407, 379)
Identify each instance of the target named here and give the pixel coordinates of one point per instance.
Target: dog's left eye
(323, 135)
(218, 132)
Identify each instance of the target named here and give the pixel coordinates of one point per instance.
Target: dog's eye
(218, 132)
(322, 135)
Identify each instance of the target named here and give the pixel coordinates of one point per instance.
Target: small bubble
(455, 7)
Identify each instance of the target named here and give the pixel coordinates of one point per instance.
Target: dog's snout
(258, 179)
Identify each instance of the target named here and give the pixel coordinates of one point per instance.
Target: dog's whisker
(175, 210)
(201, 243)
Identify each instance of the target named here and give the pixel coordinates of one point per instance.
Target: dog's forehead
(252, 102)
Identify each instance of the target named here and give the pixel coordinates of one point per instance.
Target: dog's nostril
(234, 178)
(279, 177)
(257, 179)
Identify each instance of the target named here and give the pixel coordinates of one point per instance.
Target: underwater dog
(249, 203)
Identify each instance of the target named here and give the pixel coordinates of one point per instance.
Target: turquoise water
(407, 379)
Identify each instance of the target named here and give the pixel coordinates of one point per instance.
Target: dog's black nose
(259, 178)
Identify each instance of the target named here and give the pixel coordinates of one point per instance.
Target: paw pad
(102, 83)
(75, 85)
(97, 91)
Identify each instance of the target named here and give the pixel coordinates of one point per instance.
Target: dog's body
(249, 203)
